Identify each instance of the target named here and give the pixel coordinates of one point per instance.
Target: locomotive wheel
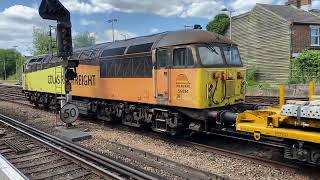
(173, 132)
(46, 101)
(177, 132)
(105, 115)
(36, 100)
(127, 119)
(36, 104)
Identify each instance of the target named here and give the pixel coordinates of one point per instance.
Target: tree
(83, 40)
(8, 57)
(41, 42)
(219, 24)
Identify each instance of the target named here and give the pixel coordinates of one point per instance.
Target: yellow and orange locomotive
(170, 80)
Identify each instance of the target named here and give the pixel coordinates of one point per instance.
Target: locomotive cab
(199, 75)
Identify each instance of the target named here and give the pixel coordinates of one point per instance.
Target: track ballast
(39, 155)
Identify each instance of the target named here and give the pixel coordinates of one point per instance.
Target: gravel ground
(102, 134)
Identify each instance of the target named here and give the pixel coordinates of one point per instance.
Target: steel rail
(103, 160)
(60, 149)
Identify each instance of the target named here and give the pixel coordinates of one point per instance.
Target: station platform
(8, 171)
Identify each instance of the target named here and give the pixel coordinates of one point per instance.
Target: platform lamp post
(16, 59)
(50, 43)
(230, 16)
(112, 21)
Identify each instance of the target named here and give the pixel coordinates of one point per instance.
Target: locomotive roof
(171, 38)
(146, 43)
(190, 37)
(164, 39)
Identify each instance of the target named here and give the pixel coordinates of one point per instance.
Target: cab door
(162, 78)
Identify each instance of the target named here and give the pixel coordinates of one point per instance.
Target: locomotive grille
(230, 88)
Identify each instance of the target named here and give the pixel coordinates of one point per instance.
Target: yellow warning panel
(47, 80)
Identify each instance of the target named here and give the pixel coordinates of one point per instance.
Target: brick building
(270, 35)
(299, 3)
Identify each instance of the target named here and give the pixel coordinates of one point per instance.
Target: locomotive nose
(225, 86)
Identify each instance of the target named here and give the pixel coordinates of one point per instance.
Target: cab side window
(163, 58)
(182, 57)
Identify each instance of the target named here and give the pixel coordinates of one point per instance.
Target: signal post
(54, 10)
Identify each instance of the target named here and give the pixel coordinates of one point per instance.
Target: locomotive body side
(45, 81)
(89, 84)
(178, 86)
(192, 88)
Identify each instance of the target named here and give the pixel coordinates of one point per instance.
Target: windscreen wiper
(212, 49)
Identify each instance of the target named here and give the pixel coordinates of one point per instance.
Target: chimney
(299, 3)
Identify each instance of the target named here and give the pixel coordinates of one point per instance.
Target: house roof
(292, 14)
(241, 15)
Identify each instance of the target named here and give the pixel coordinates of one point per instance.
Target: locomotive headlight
(215, 75)
(239, 75)
(223, 76)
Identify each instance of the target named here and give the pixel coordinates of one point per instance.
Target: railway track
(273, 157)
(263, 100)
(232, 153)
(11, 93)
(39, 155)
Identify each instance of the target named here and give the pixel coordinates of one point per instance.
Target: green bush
(252, 74)
(305, 67)
(252, 77)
